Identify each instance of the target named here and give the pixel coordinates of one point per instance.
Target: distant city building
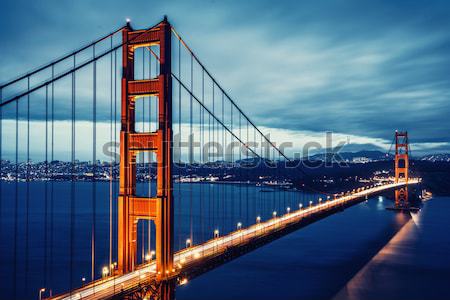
(361, 160)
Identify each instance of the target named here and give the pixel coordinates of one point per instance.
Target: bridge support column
(132, 207)
(167, 290)
(401, 168)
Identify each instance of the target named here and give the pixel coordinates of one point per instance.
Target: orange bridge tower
(401, 168)
(132, 207)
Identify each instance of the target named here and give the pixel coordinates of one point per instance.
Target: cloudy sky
(298, 68)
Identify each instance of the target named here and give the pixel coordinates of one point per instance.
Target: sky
(361, 69)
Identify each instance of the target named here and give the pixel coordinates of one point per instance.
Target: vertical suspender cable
(52, 158)
(217, 194)
(232, 163)
(113, 213)
(27, 226)
(72, 183)
(263, 165)
(240, 167)
(1, 157)
(255, 202)
(94, 164)
(210, 176)
(248, 177)
(111, 158)
(222, 167)
(302, 196)
(46, 187)
(113, 210)
(282, 170)
(281, 186)
(16, 203)
(191, 153)
(277, 190)
(202, 142)
(280, 207)
(214, 140)
(227, 171)
(274, 172)
(179, 145)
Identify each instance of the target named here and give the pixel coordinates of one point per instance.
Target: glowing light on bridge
(41, 291)
(105, 271)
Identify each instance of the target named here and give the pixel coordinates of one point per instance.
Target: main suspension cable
(75, 68)
(58, 60)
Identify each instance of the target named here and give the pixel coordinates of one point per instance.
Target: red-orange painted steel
(131, 207)
(401, 167)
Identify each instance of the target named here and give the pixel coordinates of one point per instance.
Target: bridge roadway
(191, 261)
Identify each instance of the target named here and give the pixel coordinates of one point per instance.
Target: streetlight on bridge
(42, 290)
(239, 226)
(105, 272)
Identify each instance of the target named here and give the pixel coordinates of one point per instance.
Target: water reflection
(387, 273)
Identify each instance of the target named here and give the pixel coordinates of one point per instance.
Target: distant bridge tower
(132, 207)
(401, 167)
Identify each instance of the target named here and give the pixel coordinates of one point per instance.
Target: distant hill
(440, 157)
(372, 155)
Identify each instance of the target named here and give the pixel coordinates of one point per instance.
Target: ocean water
(364, 252)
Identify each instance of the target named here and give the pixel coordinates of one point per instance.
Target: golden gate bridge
(157, 99)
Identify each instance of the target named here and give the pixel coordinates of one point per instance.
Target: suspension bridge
(192, 170)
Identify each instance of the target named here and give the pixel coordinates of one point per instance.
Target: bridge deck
(195, 260)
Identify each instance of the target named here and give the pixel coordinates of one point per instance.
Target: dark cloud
(356, 67)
